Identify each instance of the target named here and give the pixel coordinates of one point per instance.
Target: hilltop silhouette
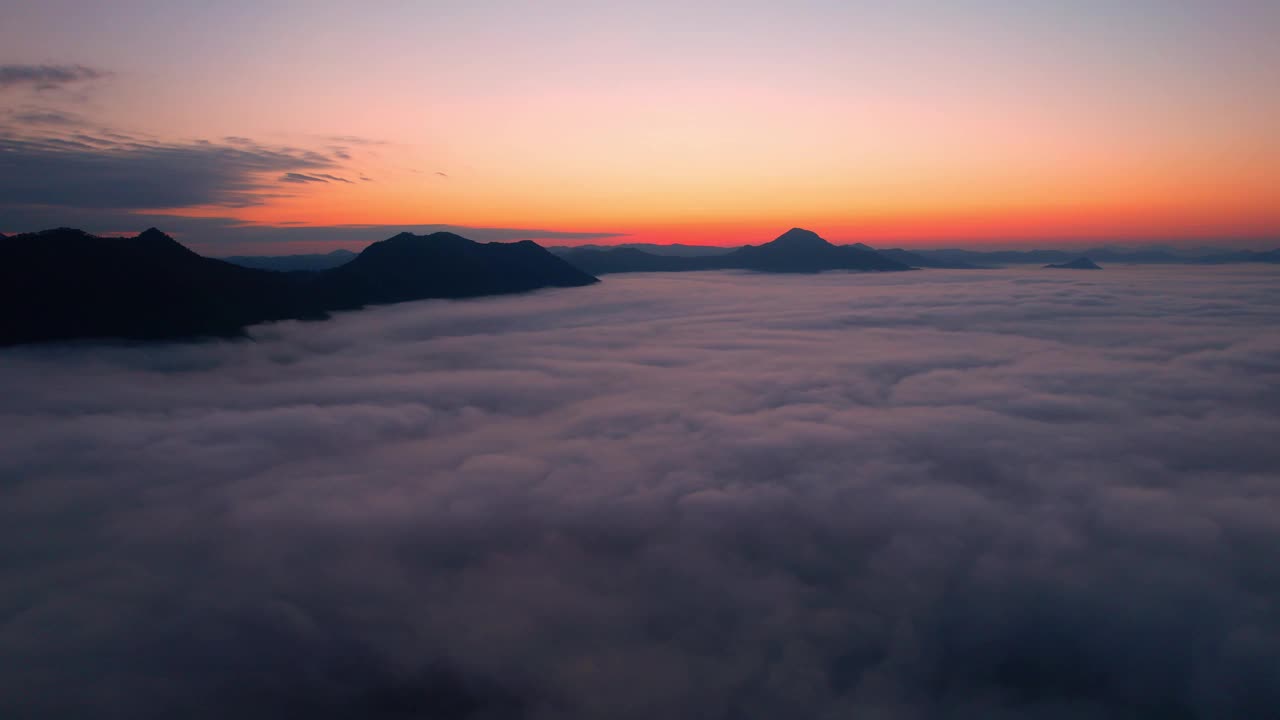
(443, 265)
(1081, 263)
(67, 284)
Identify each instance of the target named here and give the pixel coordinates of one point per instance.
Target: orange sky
(924, 124)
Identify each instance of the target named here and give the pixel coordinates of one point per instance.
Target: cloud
(46, 77)
(1007, 494)
(46, 116)
(300, 178)
(342, 151)
(356, 140)
(313, 178)
(107, 171)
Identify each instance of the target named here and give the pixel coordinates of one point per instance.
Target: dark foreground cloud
(46, 77)
(50, 174)
(1011, 494)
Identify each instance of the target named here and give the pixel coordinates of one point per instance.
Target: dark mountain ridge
(599, 256)
(289, 263)
(443, 265)
(799, 250)
(795, 251)
(66, 284)
(1136, 256)
(674, 249)
(1080, 263)
(924, 260)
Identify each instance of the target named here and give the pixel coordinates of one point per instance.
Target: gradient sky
(916, 123)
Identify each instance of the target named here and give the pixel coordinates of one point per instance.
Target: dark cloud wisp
(101, 171)
(47, 77)
(46, 116)
(302, 178)
(1008, 494)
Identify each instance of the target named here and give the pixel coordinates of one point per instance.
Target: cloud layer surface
(1007, 494)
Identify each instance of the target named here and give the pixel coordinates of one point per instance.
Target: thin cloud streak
(45, 116)
(47, 77)
(312, 178)
(111, 172)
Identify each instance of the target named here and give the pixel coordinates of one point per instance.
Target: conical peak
(153, 234)
(799, 237)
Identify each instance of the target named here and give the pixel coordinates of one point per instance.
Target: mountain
(444, 265)
(1080, 263)
(1241, 256)
(290, 263)
(996, 257)
(796, 250)
(799, 250)
(1135, 256)
(674, 250)
(66, 284)
(1141, 255)
(603, 261)
(924, 260)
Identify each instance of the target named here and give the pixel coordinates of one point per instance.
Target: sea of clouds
(943, 494)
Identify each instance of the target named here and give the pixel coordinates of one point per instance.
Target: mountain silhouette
(799, 239)
(1080, 263)
(674, 249)
(601, 261)
(67, 284)
(1136, 256)
(289, 263)
(925, 260)
(444, 265)
(1241, 256)
(799, 250)
(796, 250)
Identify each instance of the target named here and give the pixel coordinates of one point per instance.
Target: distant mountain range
(1080, 263)
(674, 250)
(955, 259)
(67, 284)
(925, 260)
(1140, 256)
(289, 263)
(796, 250)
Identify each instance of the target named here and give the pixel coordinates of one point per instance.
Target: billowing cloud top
(1013, 494)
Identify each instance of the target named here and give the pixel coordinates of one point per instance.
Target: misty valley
(702, 494)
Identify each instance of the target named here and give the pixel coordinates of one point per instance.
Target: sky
(1014, 494)
(264, 127)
